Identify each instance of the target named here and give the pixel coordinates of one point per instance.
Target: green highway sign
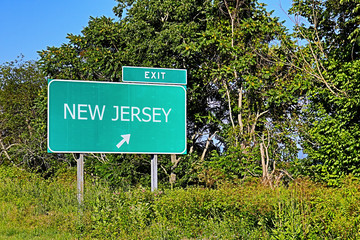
(154, 75)
(105, 117)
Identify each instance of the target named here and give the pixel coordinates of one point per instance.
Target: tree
(151, 34)
(330, 136)
(257, 95)
(239, 101)
(23, 116)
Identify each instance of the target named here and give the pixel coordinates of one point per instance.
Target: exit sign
(154, 75)
(107, 117)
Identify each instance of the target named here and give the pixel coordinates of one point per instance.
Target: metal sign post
(154, 180)
(80, 179)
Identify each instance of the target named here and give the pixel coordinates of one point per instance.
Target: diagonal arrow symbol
(126, 138)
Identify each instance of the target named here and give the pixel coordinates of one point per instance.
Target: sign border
(156, 83)
(115, 83)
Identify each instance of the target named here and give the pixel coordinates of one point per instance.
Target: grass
(34, 208)
(20, 233)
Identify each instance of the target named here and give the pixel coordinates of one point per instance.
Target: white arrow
(126, 138)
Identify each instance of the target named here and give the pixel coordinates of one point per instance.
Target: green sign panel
(154, 75)
(104, 117)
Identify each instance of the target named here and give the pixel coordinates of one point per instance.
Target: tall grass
(32, 207)
(35, 208)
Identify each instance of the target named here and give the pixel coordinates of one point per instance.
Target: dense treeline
(257, 93)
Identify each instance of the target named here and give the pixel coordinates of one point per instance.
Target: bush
(303, 210)
(35, 207)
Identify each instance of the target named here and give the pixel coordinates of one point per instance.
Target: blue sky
(28, 26)
(280, 8)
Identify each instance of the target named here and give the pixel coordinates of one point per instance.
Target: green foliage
(247, 82)
(330, 132)
(234, 164)
(152, 34)
(332, 140)
(31, 207)
(23, 104)
(19, 86)
(255, 104)
(120, 171)
(228, 49)
(303, 210)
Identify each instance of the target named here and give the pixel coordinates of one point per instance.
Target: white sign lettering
(155, 75)
(117, 113)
